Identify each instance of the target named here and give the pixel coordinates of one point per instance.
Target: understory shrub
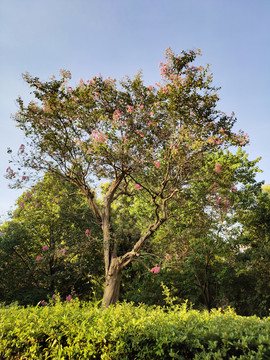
(75, 330)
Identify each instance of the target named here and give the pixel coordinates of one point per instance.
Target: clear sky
(118, 37)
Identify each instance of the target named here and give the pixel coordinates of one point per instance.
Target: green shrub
(75, 330)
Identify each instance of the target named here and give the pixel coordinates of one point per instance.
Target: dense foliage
(129, 332)
(47, 246)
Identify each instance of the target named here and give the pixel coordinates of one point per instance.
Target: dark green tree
(51, 244)
(251, 293)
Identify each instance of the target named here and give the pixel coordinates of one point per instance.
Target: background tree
(152, 140)
(47, 247)
(251, 293)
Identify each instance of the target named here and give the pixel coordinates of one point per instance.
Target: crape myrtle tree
(152, 140)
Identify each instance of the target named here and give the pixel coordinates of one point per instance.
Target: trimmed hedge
(83, 331)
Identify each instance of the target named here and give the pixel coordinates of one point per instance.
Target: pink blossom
(138, 187)
(99, 136)
(130, 109)
(227, 203)
(45, 247)
(156, 269)
(219, 141)
(28, 195)
(157, 164)
(43, 302)
(39, 258)
(87, 232)
(68, 298)
(116, 115)
(234, 188)
(217, 169)
(60, 252)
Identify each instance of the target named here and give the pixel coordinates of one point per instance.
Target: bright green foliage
(266, 188)
(45, 248)
(84, 331)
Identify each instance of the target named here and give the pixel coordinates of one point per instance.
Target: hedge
(75, 330)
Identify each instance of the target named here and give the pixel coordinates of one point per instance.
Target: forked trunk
(112, 284)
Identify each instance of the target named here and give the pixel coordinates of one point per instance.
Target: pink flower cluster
(156, 269)
(59, 253)
(87, 232)
(28, 195)
(138, 187)
(217, 169)
(117, 115)
(168, 257)
(99, 136)
(223, 201)
(130, 109)
(10, 173)
(21, 149)
(157, 164)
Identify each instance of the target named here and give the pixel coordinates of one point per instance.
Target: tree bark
(112, 284)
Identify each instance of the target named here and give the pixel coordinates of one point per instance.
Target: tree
(47, 246)
(154, 141)
(195, 250)
(252, 263)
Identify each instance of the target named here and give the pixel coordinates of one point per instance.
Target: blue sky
(118, 37)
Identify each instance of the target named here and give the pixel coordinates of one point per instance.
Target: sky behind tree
(119, 37)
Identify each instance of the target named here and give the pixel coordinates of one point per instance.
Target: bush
(75, 330)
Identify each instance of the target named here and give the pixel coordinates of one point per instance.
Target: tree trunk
(112, 284)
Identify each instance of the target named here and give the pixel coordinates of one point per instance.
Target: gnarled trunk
(112, 284)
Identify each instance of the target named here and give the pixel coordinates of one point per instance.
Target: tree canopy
(159, 142)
